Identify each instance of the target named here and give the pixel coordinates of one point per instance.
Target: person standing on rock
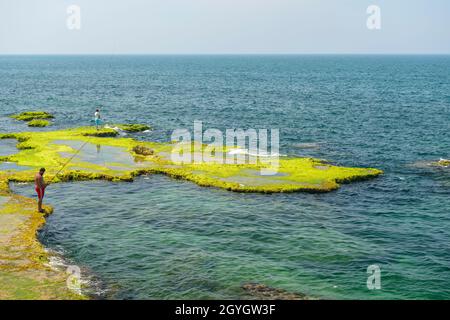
(40, 186)
(97, 119)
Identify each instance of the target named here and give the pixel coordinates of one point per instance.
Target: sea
(160, 238)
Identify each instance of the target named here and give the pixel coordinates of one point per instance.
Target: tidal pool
(114, 158)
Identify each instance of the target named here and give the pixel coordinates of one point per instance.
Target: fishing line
(76, 153)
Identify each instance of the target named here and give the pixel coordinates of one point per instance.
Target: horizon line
(229, 54)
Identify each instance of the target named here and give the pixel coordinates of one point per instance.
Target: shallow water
(12, 166)
(98, 154)
(8, 147)
(163, 238)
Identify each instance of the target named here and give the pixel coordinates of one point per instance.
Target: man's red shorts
(40, 192)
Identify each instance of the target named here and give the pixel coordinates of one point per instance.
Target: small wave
(307, 145)
(443, 163)
(117, 129)
(260, 154)
(89, 284)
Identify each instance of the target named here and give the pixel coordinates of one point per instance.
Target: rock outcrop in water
(37, 119)
(103, 155)
(143, 150)
(39, 149)
(444, 163)
(132, 127)
(32, 115)
(262, 292)
(38, 123)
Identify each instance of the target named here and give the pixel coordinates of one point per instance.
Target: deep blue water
(172, 239)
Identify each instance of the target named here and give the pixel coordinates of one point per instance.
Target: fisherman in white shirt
(97, 118)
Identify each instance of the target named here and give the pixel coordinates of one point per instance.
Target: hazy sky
(224, 26)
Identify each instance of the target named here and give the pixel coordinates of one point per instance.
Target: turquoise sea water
(161, 238)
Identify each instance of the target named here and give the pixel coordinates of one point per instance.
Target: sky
(224, 27)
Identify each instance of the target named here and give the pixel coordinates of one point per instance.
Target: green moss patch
(35, 119)
(38, 123)
(45, 149)
(24, 270)
(32, 115)
(133, 127)
(104, 133)
(444, 163)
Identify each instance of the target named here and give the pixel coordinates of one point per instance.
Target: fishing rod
(65, 164)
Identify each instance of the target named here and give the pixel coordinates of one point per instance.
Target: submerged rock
(263, 292)
(444, 162)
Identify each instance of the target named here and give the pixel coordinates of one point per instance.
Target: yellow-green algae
(22, 262)
(24, 269)
(132, 127)
(444, 163)
(37, 149)
(143, 150)
(32, 115)
(38, 123)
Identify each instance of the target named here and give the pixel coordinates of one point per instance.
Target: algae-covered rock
(34, 118)
(444, 163)
(143, 150)
(133, 127)
(38, 123)
(24, 269)
(32, 115)
(49, 149)
(262, 292)
(103, 133)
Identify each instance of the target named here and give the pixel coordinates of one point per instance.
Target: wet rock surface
(143, 150)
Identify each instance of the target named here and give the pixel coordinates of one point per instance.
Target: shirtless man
(40, 187)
